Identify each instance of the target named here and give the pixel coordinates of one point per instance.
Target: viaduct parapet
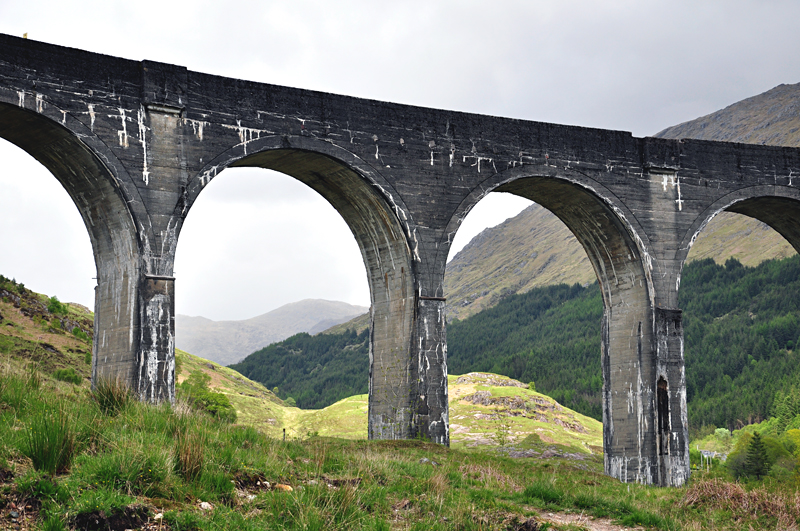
(134, 143)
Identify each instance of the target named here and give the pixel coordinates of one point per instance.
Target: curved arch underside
(111, 230)
(388, 261)
(780, 213)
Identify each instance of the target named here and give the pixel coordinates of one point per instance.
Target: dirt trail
(584, 521)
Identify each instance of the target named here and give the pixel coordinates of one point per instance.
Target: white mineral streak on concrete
(143, 141)
(197, 127)
(169, 239)
(92, 116)
(39, 103)
(207, 175)
(63, 117)
(279, 116)
(148, 252)
(415, 250)
(246, 134)
(631, 400)
(679, 201)
(21, 94)
(122, 134)
(154, 313)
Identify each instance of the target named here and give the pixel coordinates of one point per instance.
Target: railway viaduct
(135, 142)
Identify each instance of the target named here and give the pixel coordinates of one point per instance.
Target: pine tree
(756, 463)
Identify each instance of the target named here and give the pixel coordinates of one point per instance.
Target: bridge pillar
(155, 360)
(671, 423)
(116, 318)
(430, 418)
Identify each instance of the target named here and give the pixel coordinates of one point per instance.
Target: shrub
(80, 334)
(723, 434)
(55, 306)
(68, 375)
(195, 390)
(50, 439)
(112, 395)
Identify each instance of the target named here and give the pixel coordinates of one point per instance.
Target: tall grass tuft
(68, 375)
(189, 454)
(34, 377)
(53, 523)
(112, 395)
(50, 440)
(13, 390)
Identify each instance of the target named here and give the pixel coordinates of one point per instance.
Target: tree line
(741, 327)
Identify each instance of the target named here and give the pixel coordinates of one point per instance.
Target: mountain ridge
(229, 341)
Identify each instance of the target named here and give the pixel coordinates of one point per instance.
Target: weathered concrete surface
(134, 143)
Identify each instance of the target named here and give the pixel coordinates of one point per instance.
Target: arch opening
(662, 400)
(96, 193)
(387, 257)
(736, 288)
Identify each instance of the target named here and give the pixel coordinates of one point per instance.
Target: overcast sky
(638, 66)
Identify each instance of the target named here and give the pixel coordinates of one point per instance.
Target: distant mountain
(531, 249)
(770, 118)
(227, 342)
(536, 249)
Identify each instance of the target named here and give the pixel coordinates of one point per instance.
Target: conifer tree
(756, 463)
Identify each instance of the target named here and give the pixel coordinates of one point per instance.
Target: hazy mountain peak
(227, 342)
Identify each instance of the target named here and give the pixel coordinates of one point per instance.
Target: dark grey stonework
(134, 144)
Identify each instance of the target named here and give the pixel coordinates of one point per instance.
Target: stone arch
(96, 182)
(777, 206)
(380, 223)
(618, 250)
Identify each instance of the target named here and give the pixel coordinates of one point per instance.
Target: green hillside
(740, 329)
(314, 370)
(71, 458)
(741, 325)
(35, 338)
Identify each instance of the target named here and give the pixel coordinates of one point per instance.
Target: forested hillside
(741, 326)
(315, 371)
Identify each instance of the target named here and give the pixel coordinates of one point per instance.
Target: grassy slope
(128, 466)
(39, 337)
(26, 339)
(472, 424)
